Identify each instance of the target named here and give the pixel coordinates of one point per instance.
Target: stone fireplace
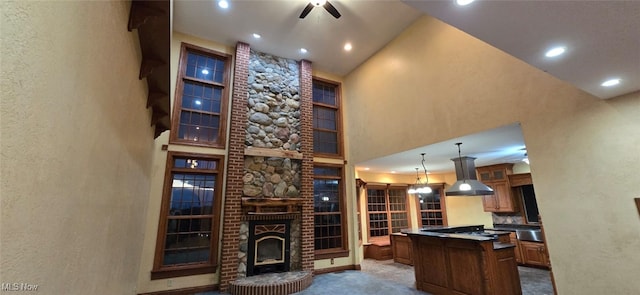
(267, 243)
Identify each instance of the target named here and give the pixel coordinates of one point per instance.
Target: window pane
(325, 119)
(325, 195)
(190, 216)
(200, 104)
(326, 171)
(328, 231)
(325, 142)
(203, 67)
(324, 93)
(431, 209)
(195, 163)
(327, 211)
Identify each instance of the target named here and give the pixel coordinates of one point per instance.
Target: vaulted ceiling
(601, 41)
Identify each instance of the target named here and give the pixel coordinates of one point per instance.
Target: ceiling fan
(324, 3)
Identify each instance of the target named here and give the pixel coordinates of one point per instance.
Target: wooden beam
(141, 11)
(147, 67)
(266, 152)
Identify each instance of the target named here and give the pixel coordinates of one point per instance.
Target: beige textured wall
(583, 150)
(145, 284)
(75, 146)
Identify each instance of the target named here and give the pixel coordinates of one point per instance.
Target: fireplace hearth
(269, 246)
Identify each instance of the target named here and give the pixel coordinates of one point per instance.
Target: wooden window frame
(443, 204)
(344, 231)
(161, 272)
(177, 102)
(338, 109)
(386, 188)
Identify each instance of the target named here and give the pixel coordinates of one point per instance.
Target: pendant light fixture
(419, 187)
(467, 184)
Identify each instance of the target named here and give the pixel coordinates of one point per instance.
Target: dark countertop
(500, 246)
(514, 227)
(463, 233)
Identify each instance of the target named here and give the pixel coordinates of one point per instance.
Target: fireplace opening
(269, 246)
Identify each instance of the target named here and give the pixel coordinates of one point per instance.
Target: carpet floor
(387, 277)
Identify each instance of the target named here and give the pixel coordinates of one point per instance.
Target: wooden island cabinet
(452, 263)
(402, 249)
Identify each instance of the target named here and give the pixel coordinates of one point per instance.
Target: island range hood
(467, 184)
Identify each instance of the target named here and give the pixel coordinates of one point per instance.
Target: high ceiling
(602, 40)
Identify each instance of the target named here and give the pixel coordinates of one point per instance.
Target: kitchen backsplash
(506, 218)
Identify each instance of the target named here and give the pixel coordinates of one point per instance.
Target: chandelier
(419, 187)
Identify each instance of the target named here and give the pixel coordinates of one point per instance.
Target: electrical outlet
(169, 282)
(331, 261)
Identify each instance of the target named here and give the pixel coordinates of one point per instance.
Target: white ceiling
(602, 40)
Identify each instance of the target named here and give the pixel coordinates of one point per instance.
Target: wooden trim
(321, 254)
(336, 269)
(186, 291)
(443, 204)
(267, 152)
(339, 124)
(224, 98)
(159, 271)
(182, 272)
(387, 187)
(520, 179)
(152, 21)
(343, 207)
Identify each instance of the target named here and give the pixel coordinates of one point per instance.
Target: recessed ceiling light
(553, 52)
(367, 168)
(223, 4)
(393, 172)
(464, 2)
(348, 47)
(256, 35)
(303, 50)
(611, 82)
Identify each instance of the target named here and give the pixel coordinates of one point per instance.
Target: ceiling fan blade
(332, 10)
(306, 10)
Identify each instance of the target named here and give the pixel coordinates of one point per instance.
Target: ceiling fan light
(412, 190)
(318, 2)
(553, 52)
(464, 2)
(223, 4)
(611, 82)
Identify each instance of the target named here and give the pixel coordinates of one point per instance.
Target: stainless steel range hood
(467, 184)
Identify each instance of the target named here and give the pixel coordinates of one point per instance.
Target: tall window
(328, 202)
(189, 217)
(327, 133)
(201, 98)
(387, 210)
(432, 207)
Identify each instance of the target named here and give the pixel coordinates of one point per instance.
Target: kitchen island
(463, 260)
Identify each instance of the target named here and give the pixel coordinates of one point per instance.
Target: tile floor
(387, 277)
